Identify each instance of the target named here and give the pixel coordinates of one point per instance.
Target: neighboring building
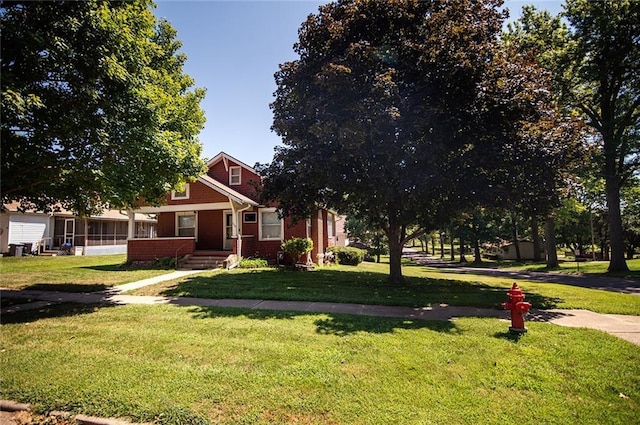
(526, 251)
(101, 234)
(219, 214)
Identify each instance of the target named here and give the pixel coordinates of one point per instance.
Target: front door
(228, 230)
(69, 230)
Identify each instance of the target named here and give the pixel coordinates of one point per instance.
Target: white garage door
(27, 229)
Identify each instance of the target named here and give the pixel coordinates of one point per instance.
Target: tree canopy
(400, 111)
(595, 63)
(96, 109)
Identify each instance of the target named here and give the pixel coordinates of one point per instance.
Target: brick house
(219, 214)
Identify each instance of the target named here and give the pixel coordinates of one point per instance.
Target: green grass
(367, 284)
(69, 273)
(180, 365)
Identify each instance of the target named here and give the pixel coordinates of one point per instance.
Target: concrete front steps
(207, 261)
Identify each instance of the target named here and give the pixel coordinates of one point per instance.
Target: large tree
(596, 67)
(96, 109)
(603, 82)
(384, 113)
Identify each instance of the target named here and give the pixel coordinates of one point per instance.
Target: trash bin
(28, 248)
(15, 250)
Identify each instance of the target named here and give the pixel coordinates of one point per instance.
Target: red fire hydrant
(518, 308)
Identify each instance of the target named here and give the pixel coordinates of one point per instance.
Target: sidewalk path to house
(606, 283)
(626, 327)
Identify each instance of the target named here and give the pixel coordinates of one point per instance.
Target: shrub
(295, 247)
(253, 263)
(165, 263)
(347, 255)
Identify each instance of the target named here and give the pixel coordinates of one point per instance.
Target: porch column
(86, 235)
(131, 227)
(317, 230)
(237, 209)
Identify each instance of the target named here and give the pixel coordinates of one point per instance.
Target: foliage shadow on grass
(347, 287)
(52, 311)
(510, 336)
(68, 287)
(123, 267)
(333, 324)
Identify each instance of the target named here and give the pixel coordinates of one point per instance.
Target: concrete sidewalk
(625, 327)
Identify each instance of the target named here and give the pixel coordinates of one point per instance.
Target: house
(219, 215)
(526, 251)
(38, 232)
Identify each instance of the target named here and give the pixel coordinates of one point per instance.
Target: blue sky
(233, 50)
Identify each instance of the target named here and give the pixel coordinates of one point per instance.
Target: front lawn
(367, 284)
(186, 365)
(69, 273)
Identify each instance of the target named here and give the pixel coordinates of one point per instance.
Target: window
(186, 224)
(270, 227)
(176, 195)
(331, 225)
(250, 217)
(234, 176)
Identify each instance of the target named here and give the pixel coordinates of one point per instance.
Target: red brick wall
(219, 173)
(150, 249)
(298, 230)
(250, 247)
(269, 250)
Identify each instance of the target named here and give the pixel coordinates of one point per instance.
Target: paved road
(614, 284)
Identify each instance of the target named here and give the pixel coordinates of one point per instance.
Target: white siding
(27, 229)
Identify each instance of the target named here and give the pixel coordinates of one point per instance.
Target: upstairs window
(235, 176)
(177, 195)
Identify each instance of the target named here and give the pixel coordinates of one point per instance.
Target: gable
(234, 174)
(199, 193)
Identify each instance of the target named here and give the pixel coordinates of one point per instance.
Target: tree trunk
(433, 245)
(617, 261)
(550, 240)
(462, 257)
(630, 251)
(514, 231)
(452, 254)
(476, 251)
(396, 242)
(535, 233)
(441, 246)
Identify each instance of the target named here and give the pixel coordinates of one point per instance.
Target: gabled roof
(225, 157)
(227, 191)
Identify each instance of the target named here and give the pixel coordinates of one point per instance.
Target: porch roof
(227, 191)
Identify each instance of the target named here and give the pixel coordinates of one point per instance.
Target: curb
(12, 406)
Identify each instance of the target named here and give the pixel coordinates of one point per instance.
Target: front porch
(206, 260)
(184, 250)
